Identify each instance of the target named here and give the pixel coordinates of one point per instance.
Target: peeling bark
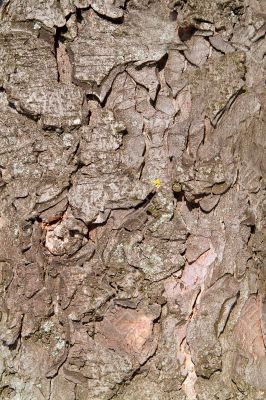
(132, 217)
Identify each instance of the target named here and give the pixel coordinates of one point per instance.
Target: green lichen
(156, 182)
(220, 188)
(154, 210)
(176, 187)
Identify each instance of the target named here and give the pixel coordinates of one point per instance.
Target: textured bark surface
(132, 225)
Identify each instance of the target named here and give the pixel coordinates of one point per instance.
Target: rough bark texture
(132, 226)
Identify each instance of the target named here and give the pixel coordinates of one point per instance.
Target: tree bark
(132, 225)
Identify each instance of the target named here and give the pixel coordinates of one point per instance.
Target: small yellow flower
(156, 182)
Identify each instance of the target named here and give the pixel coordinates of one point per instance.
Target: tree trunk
(132, 225)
